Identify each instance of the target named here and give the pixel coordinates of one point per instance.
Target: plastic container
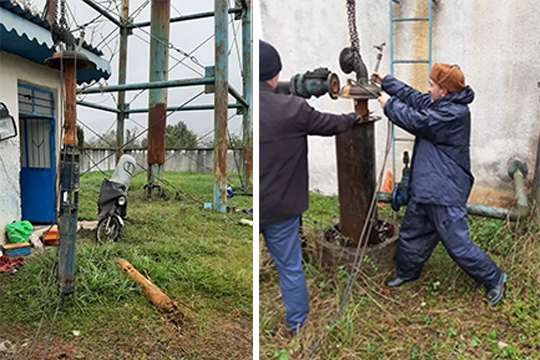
(51, 237)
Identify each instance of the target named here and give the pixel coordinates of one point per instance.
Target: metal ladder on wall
(394, 61)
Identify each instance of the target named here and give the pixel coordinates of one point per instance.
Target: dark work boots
(495, 295)
(398, 281)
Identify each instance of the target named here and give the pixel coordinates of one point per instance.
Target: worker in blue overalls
(441, 179)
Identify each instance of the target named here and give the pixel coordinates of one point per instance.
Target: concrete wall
(195, 161)
(12, 70)
(494, 41)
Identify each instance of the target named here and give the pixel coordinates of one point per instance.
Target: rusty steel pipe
(159, 55)
(122, 75)
(356, 175)
(247, 122)
(221, 93)
(157, 99)
(70, 103)
(68, 62)
(154, 294)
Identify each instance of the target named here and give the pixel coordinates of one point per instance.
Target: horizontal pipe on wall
(474, 209)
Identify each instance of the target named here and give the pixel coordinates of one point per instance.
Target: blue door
(38, 160)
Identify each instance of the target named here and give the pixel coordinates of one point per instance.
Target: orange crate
(51, 237)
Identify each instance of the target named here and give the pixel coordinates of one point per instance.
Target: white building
(32, 93)
(494, 41)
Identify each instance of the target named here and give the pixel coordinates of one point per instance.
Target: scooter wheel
(109, 229)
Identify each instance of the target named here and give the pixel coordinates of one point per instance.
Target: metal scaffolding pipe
(68, 62)
(186, 18)
(238, 97)
(122, 75)
(221, 95)
(157, 99)
(103, 12)
(148, 85)
(247, 121)
(97, 106)
(185, 108)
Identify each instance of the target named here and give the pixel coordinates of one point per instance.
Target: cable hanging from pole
(147, 129)
(176, 64)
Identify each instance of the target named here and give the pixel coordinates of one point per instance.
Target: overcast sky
(184, 35)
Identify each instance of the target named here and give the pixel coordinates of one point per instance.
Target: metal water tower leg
(122, 74)
(159, 62)
(247, 62)
(221, 94)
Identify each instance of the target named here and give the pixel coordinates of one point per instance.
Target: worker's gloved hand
(377, 78)
(383, 99)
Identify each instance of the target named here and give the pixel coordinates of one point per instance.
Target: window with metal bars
(36, 126)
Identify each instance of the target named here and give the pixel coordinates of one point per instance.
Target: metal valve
(316, 83)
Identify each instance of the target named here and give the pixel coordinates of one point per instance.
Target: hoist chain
(350, 59)
(63, 22)
(353, 31)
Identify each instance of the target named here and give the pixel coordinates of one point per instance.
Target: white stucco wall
(494, 42)
(13, 69)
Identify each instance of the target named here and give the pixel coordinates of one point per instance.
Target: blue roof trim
(26, 35)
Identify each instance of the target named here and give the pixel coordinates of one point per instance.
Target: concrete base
(331, 254)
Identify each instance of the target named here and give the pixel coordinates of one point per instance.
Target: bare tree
(27, 5)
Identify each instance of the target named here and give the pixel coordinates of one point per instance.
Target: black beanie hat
(269, 61)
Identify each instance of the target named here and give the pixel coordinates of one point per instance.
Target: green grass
(198, 257)
(441, 316)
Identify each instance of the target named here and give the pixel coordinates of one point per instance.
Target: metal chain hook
(63, 21)
(350, 59)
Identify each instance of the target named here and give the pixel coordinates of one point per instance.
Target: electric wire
(146, 130)
(137, 11)
(175, 65)
(172, 56)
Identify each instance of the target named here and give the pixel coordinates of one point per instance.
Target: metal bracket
(359, 91)
(240, 110)
(126, 111)
(209, 72)
(515, 165)
(368, 119)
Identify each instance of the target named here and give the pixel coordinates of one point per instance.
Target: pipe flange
(514, 165)
(368, 119)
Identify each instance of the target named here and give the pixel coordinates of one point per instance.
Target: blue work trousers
(424, 225)
(283, 241)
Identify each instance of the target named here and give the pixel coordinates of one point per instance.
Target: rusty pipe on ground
(154, 294)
